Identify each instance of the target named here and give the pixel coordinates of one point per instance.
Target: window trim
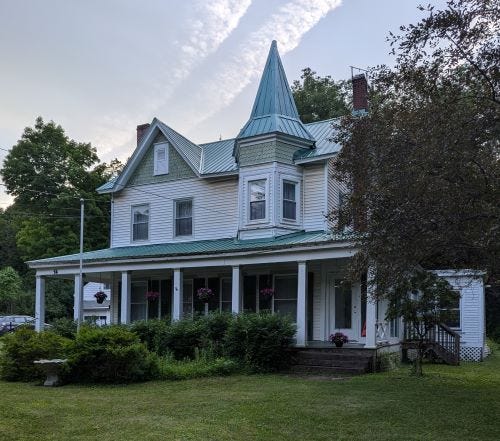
(156, 147)
(286, 180)
(132, 208)
(248, 182)
(459, 309)
(175, 235)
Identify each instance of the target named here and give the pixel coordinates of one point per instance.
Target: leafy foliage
(203, 366)
(260, 341)
(319, 98)
(110, 355)
(423, 165)
(10, 289)
(23, 347)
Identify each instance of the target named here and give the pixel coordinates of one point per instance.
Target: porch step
(332, 361)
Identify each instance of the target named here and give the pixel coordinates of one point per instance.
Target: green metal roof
(274, 109)
(219, 246)
(217, 157)
(323, 132)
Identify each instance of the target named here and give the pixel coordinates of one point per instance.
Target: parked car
(9, 323)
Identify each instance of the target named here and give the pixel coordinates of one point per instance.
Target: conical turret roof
(274, 109)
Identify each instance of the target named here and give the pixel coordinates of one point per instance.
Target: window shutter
(161, 159)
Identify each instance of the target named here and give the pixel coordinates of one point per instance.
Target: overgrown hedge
(155, 349)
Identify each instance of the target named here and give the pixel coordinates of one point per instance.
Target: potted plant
(267, 293)
(338, 339)
(100, 296)
(205, 294)
(152, 295)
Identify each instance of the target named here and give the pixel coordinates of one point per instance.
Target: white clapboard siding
(313, 195)
(215, 210)
(334, 189)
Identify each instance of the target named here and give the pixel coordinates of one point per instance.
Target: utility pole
(80, 291)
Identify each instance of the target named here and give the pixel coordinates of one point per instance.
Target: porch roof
(218, 246)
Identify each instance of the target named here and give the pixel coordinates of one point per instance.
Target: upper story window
(161, 159)
(140, 222)
(184, 217)
(289, 200)
(257, 190)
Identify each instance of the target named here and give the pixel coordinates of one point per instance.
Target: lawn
(449, 403)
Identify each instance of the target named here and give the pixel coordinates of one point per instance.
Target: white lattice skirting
(467, 353)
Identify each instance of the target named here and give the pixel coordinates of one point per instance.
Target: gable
(144, 172)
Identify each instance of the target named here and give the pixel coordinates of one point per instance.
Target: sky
(101, 67)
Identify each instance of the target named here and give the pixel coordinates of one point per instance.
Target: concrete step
(302, 355)
(334, 362)
(328, 370)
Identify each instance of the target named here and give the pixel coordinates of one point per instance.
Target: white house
(239, 215)
(98, 313)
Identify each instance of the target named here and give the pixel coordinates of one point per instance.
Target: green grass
(449, 403)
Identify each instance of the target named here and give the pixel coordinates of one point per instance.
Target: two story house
(237, 216)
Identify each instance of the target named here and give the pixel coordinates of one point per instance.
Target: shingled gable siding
(177, 169)
(271, 151)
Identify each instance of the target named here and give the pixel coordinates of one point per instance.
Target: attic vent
(160, 159)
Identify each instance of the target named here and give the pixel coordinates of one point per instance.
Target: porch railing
(444, 341)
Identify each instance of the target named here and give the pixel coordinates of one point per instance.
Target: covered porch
(308, 282)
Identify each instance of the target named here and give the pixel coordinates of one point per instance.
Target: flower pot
(339, 344)
(99, 300)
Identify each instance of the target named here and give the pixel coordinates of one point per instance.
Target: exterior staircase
(332, 361)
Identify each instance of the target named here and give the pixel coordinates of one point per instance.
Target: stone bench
(52, 369)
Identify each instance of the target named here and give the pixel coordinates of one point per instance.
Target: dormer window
(161, 159)
(257, 190)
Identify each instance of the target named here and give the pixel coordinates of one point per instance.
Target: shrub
(172, 369)
(153, 333)
(23, 347)
(64, 327)
(183, 337)
(214, 327)
(260, 341)
(110, 355)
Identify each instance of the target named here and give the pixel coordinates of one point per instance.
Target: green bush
(214, 327)
(171, 369)
(153, 333)
(23, 347)
(260, 341)
(64, 327)
(110, 355)
(184, 337)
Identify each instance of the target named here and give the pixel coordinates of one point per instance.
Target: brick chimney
(359, 93)
(141, 129)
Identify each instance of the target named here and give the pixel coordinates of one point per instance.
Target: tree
(48, 173)
(10, 289)
(319, 98)
(422, 165)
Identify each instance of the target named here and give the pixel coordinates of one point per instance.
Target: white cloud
(210, 23)
(287, 25)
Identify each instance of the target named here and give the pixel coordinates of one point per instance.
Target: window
(285, 296)
(451, 311)
(343, 305)
(289, 200)
(138, 300)
(184, 217)
(187, 298)
(257, 191)
(140, 222)
(160, 159)
(226, 295)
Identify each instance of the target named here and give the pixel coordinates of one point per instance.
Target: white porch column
(371, 313)
(236, 306)
(76, 299)
(177, 295)
(126, 292)
(39, 303)
(302, 304)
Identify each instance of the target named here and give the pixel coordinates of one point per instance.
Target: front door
(344, 307)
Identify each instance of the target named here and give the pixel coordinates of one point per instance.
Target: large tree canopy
(48, 173)
(319, 98)
(423, 165)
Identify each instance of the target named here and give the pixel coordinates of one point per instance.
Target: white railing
(382, 331)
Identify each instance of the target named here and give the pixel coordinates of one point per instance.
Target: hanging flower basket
(100, 296)
(205, 294)
(152, 295)
(338, 339)
(267, 293)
